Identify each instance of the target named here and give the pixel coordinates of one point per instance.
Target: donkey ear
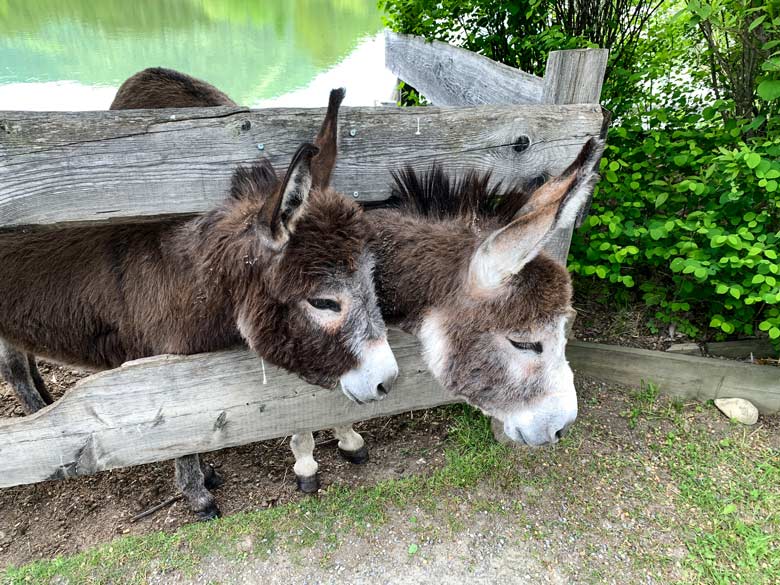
(552, 206)
(290, 199)
(326, 141)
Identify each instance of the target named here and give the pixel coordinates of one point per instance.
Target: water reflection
(253, 49)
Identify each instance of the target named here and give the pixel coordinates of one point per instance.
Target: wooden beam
(678, 375)
(61, 169)
(451, 76)
(163, 407)
(167, 406)
(572, 77)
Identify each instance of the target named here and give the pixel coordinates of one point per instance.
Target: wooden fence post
(572, 77)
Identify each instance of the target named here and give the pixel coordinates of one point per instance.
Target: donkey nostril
(559, 434)
(381, 389)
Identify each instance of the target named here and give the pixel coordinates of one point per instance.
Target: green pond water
(72, 54)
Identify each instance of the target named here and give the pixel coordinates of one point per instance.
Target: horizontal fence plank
(167, 406)
(678, 375)
(62, 168)
(449, 76)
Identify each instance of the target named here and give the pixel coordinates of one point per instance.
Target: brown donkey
(281, 265)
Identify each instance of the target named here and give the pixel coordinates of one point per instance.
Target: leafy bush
(688, 213)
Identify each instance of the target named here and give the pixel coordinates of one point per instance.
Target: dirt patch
(627, 326)
(54, 518)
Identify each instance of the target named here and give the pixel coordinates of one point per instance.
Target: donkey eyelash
(325, 305)
(534, 346)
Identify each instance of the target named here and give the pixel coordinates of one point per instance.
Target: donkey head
(499, 339)
(292, 256)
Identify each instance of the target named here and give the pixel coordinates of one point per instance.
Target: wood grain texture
(572, 77)
(451, 76)
(163, 407)
(59, 169)
(679, 375)
(167, 406)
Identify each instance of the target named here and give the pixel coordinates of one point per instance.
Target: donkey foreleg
(191, 482)
(302, 445)
(40, 385)
(15, 369)
(352, 447)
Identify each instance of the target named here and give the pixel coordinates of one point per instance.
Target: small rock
(246, 544)
(738, 409)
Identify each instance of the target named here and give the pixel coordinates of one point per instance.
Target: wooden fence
(66, 169)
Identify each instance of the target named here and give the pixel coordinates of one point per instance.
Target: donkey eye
(534, 346)
(325, 305)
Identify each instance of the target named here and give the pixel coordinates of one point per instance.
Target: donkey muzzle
(544, 423)
(374, 376)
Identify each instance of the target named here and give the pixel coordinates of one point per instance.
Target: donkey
(460, 264)
(492, 330)
(281, 265)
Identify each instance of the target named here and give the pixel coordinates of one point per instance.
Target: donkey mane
(434, 195)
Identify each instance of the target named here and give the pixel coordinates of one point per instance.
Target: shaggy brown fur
(158, 87)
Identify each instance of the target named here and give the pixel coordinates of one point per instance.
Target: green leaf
(756, 22)
(771, 254)
(769, 90)
(753, 160)
(413, 548)
(727, 327)
(774, 333)
(661, 199)
(680, 159)
(764, 325)
(728, 509)
(757, 279)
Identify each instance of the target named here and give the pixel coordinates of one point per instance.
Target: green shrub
(688, 213)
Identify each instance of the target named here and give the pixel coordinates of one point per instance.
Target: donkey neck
(420, 263)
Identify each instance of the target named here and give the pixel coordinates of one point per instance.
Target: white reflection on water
(362, 72)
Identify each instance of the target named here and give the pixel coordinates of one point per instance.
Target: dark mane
(433, 194)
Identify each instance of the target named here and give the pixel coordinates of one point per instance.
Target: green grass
(684, 503)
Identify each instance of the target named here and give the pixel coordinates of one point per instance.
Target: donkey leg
(305, 467)
(15, 369)
(352, 447)
(40, 385)
(190, 480)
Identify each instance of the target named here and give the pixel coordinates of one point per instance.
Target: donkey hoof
(208, 513)
(358, 457)
(308, 485)
(211, 479)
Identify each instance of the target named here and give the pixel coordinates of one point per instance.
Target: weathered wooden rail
(166, 406)
(59, 170)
